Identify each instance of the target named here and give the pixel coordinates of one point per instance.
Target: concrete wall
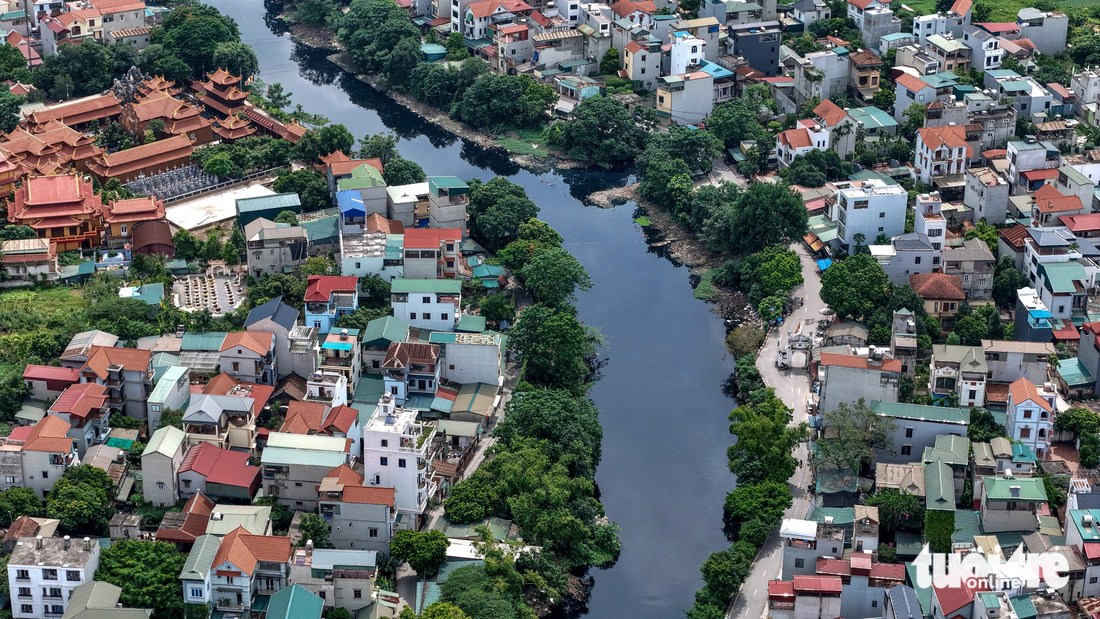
(924, 435)
(843, 384)
(472, 363)
(160, 469)
(351, 527)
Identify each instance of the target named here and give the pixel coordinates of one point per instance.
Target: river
(663, 476)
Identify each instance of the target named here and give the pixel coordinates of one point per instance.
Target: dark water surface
(663, 475)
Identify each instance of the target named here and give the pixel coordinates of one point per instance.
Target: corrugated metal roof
(263, 203)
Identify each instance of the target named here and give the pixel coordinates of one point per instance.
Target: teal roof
(949, 449)
(432, 48)
(1060, 277)
(1021, 489)
(469, 323)
(920, 412)
(1090, 533)
(370, 389)
(895, 36)
(865, 175)
(840, 515)
(488, 270)
(84, 268)
(272, 202)
(211, 342)
(1022, 453)
(13, 15)
(939, 487)
(201, 557)
(168, 380)
(321, 229)
(1024, 607)
(385, 330)
(908, 543)
(941, 80)
(872, 117)
(1074, 374)
(453, 184)
(295, 602)
(990, 599)
(967, 524)
(442, 405)
(924, 594)
(439, 286)
(1002, 73)
(165, 359)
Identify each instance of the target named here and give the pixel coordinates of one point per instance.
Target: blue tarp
(824, 263)
(336, 345)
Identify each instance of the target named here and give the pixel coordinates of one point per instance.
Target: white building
(1046, 30)
(427, 303)
(807, 136)
(1030, 415)
(43, 572)
(871, 209)
(686, 51)
(160, 464)
(929, 221)
(396, 454)
(470, 357)
(954, 22)
(905, 255)
(857, 7)
(986, 193)
(941, 151)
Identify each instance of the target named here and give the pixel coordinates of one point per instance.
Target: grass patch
(521, 147)
(642, 221)
(706, 290)
(1003, 11)
(51, 300)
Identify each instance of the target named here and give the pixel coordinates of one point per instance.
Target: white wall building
(1030, 415)
(427, 303)
(396, 455)
(871, 209)
(43, 572)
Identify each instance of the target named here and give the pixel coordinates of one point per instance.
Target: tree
(764, 441)
(148, 573)
(315, 529)
(310, 185)
(765, 501)
(81, 508)
(1006, 282)
(373, 29)
(483, 596)
(9, 110)
(320, 142)
(192, 33)
(16, 502)
(555, 346)
(665, 179)
(610, 63)
(187, 247)
(403, 172)
(497, 308)
(981, 12)
(317, 265)
(399, 65)
(75, 71)
(277, 96)
(570, 427)
(494, 102)
(983, 428)
(222, 166)
(456, 47)
(237, 58)
(897, 511)
(971, 330)
(553, 276)
(735, 121)
(425, 551)
(856, 288)
(914, 120)
(15, 233)
(767, 214)
(696, 148)
(379, 146)
(1081, 421)
(497, 209)
(287, 217)
(601, 132)
(440, 610)
(231, 254)
(11, 59)
(856, 432)
(816, 167)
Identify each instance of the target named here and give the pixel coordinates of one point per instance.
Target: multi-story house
(685, 98)
(810, 11)
(1029, 162)
(867, 211)
(916, 427)
(274, 248)
(160, 465)
(906, 254)
(863, 75)
(1011, 503)
(758, 43)
(294, 465)
(341, 353)
(950, 52)
(642, 62)
(397, 453)
(1048, 205)
(327, 298)
(915, 57)
(973, 263)
(431, 253)
(46, 382)
(330, 388)
(848, 378)
(1086, 86)
(360, 517)
(1034, 320)
(295, 346)
(125, 372)
(1030, 415)
(986, 193)
(172, 391)
(43, 573)
(820, 74)
(1062, 287)
(986, 52)
(960, 370)
(1047, 245)
(411, 368)
(448, 197)
(218, 473)
(250, 356)
(427, 303)
(1071, 182)
(1009, 360)
(120, 14)
(470, 357)
(1083, 534)
(38, 454)
(941, 151)
(342, 578)
(954, 22)
(929, 219)
(856, 9)
(29, 261)
(877, 23)
(805, 595)
(241, 567)
(807, 136)
(84, 407)
(478, 16)
(226, 421)
(318, 418)
(805, 541)
(1047, 30)
(941, 293)
(376, 340)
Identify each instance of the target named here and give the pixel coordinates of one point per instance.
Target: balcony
(343, 362)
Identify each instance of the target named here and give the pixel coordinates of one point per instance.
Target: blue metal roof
(350, 201)
(280, 313)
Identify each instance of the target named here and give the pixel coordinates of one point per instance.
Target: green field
(44, 302)
(1003, 10)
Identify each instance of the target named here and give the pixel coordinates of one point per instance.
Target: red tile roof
(623, 8)
(828, 566)
(132, 160)
(888, 571)
(244, 550)
(634, 47)
(371, 495)
(196, 516)
(342, 167)
(401, 354)
(304, 417)
(1061, 91)
(100, 358)
(782, 590)
(912, 82)
(49, 434)
(220, 465)
(77, 112)
(51, 373)
(962, 7)
(224, 384)
(817, 584)
(320, 288)
(830, 112)
(1059, 205)
(1040, 175)
(81, 400)
(937, 286)
(852, 361)
(1046, 191)
(1092, 550)
(24, 526)
(258, 342)
(134, 209)
(1023, 389)
(952, 599)
(796, 138)
(1014, 236)
(340, 418)
(995, 153)
(1087, 222)
(378, 223)
(430, 238)
(345, 476)
(999, 27)
(951, 136)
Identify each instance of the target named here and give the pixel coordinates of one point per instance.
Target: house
(471, 357)
(47, 382)
(1017, 458)
(949, 52)
(226, 421)
(126, 374)
(916, 428)
(121, 216)
(267, 207)
(865, 529)
(901, 603)
(1083, 534)
(685, 98)
(1047, 30)
(865, 210)
(986, 51)
(171, 391)
(160, 465)
(342, 578)
(328, 387)
(84, 407)
(317, 418)
(1030, 415)
(294, 465)
(914, 57)
(1049, 205)
(376, 340)
(1044, 246)
(1008, 360)
(848, 378)
(292, 355)
(973, 263)
(44, 572)
(341, 354)
(431, 253)
(795, 598)
(274, 248)
(427, 304)
(941, 151)
(960, 370)
(929, 219)
(910, 89)
(905, 478)
(1031, 164)
(864, 73)
(295, 602)
(941, 293)
(906, 254)
(99, 600)
(182, 528)
(1011, 503)
(758, 43)
(807, 136)
(27, 261)
(327, 298)
(955, 601)
(805, 541)
(821, 74)
(51, 205)
(41, 454)
(360, 517)
(144, 160)
(856, 8)
(945, 471)
(250, 356)
(411, 368)
(218, 473)
(986, 193)
(810, 11)
(26, 526)
(397, 453)
(243, 566)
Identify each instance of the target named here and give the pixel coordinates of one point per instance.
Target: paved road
(793, 387)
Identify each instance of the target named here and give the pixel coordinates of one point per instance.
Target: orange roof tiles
(50, 435)
(865, 58)
(224, 384)
(378, 223)
(1059, 205)
(1046, 192)
(81, 400)
(623, 8)
(951, 136)
(401, 354)
(430, 238)
(1014, 236)
(962, 7)
(1023, 389)
(196, 516)
(1088, 222)
(134, 209)
(80, 111)
(830, 112)
(796, 138)
(304, 417)
(634, 47)
(340, 418)
(100, 358)
(912, 82)
(244, 550)
(345, 166)
(937, 286)
(345, 476)
(256, 341)
(852, 361)
(370, 495)
(320, 288)
(132, 160)
(861, 4)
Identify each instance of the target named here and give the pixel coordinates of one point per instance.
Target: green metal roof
(1022, 453)
(165, 441)
(167, 381)
(370, 388)
(924, 594)
(840, 515)
(1073, 373)
(469, 323)
(967, 525)
(1075, 176)
(358, 182)
(1023, 489)
(32, 411)
(211, 342)
(387, 329)
(872, 117)
(1024, 607)
(295, 602)
(165, 359)
(439, 286)
(908, 543)
(949, 449)
(321, 229)
(1049, 525)
(990, 599)
(265, 203)
(435, 183)
(201, 557)
(939, 487)
(1090, 533)
(941, 414)
(13, 15)
(1059, 277)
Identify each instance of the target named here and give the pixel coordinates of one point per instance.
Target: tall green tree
(16, 502)
(553, 276)
(497, 209)
(192, 33)
(556, 347)
(855, 433)
(315, 529)
(237, 58)
(855, 286)
(379, 146)
(569, 425)
(148, 573)
(601, 132)
(610, 63)
(424, 551)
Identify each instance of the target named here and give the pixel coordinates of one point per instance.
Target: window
(11, 480)
(46, 474)
(357, 593)
(160, 485)
(22, 575)
(426, 316)
(187, 483)
(24, 592)
(196, 593)
(882, 215)
(906, 450)
(909, 433)
(49, 573)
(916, 260)
(1025, 432)
(372, 532)
(412, 315)
(385, 443)
(52, 592)
(384, 461)
(1027, 414)
(400, 463)
(799, 562)
(72, 576)
(444, 316)
(27, 609)
(1092, 581)
(874, 603)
